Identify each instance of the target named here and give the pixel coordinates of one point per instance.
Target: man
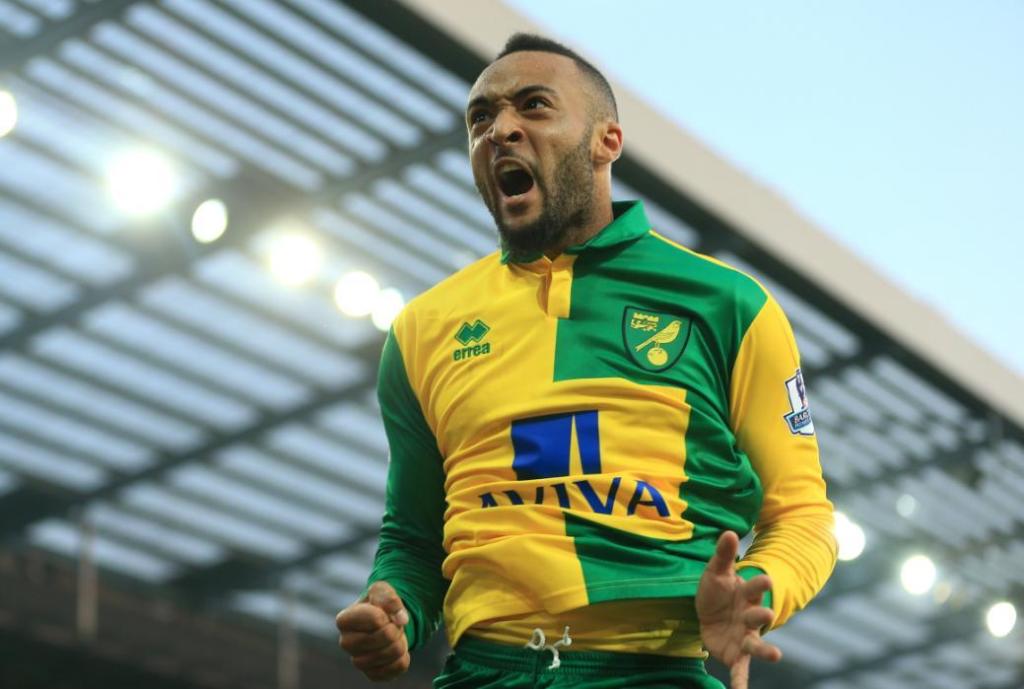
(581, 424)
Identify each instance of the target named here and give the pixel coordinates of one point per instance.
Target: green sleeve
(410, 551)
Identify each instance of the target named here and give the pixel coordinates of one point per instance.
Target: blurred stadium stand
(191, 464)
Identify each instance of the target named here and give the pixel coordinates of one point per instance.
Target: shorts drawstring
(538, 643)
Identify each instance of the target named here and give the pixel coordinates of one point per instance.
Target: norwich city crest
(654, 340)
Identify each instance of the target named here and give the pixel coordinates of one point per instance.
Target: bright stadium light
(356, 293)
(294, 259)
(849, 536)
(1000, 619)
(209, 221)
(906, 505)
(141, 181)
(8, 113)
(387, 305)
(918, 574)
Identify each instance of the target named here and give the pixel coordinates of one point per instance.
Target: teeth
(507, 167)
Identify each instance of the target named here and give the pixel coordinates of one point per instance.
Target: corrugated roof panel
(181, 300)
(218, 524)
(49, 241)
(241, 500)
(88, 401)
(331, 456)
(256, 83)
(899, 378)
(30, 459)
(306, 74)
(219, 97)
(438, 187)
(94, 359)
(353, 421)
(79, 438)
(398, 230)
(41, 179)
(8, 482)
(65, 538)
(271, 606)
(32, 287)
(137, 120)
(52, 9)
(455, 163)
(383, 46)
(191, 549)
(308, 38)
(335, 498)
(251, 148)
(18, 21)
(347, 568)
(10, 317)
(239, 275)
(135, 329)
(417, 270)
(472, 237)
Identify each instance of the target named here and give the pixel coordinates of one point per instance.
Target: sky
(896, 127)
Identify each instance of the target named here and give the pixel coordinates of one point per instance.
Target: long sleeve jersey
(571, 433)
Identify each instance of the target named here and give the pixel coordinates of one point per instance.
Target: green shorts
(477, 664)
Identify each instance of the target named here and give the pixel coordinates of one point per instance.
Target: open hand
(373, 633)
(731, 615)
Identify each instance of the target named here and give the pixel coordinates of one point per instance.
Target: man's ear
(607, 142)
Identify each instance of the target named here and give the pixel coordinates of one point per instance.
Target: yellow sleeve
(794, 541)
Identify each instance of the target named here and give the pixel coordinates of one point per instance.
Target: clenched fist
(373, 633)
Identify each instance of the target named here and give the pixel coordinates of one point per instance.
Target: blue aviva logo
(543, 448)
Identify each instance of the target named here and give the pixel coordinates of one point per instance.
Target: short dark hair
(523, 42)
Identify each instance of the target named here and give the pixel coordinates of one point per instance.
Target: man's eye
(477, 117)
(534, 103)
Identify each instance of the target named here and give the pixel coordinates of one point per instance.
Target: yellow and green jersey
(572, 435)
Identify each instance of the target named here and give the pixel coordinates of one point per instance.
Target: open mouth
(515, 182)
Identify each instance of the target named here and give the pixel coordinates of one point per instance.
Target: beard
(567, 206)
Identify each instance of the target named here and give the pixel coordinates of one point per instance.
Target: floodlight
(849, 536)
(8, 113)
(356, 293)
(906, 505)
(918, 574)
(209, 221)
(294, 258)
(386, 307)
(1000, 619)
(141, 181)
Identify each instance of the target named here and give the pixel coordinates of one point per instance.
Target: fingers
(739, 673)
(725, 554)
(361, 643)
(361, 617)
(382, 595)
(756, 647)
(391, 671)
(755, 618)
(753, 591)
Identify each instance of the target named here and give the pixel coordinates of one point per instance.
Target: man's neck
(601, 218)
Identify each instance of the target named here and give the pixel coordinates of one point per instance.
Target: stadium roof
(218, 430)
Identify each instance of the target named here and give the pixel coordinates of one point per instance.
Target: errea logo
(469, 336)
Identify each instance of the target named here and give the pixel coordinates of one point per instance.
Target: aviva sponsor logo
(544, 449)
(470, 336)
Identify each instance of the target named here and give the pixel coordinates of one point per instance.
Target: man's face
(530, 130)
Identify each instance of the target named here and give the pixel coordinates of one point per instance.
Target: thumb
(383, 596)
(724, 559)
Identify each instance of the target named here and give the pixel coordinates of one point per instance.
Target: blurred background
(210, 211)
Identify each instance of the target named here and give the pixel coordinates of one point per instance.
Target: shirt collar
(630, 222)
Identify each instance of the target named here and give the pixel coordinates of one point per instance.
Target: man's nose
(505, 129)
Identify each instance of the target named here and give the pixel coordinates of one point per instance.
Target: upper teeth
(507, 167)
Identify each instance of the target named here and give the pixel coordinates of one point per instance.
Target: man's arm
(410, 550)
(793, 538)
